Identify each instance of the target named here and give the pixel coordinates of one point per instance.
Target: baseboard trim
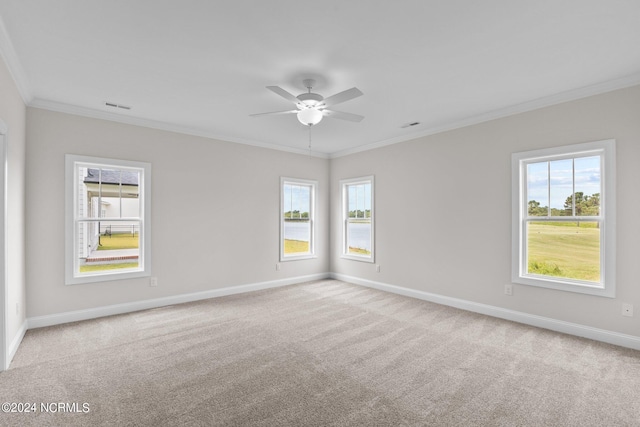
(15, 343)
(623, 340)
(110, 310)
(610, 337)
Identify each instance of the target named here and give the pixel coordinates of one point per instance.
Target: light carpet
(324, 353)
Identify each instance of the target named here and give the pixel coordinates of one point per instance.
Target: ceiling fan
(312, 107)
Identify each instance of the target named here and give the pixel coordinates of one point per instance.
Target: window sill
(566, 286)
(297, 257)
(358, 258)
(107, 277)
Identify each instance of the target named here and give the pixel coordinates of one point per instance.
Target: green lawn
(295, 246)
(102, 267)
(113, 242)
(119, 241)
(358, 251)
(299, 246)
(565, 249)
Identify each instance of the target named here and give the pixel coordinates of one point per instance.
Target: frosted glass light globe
(309, 116)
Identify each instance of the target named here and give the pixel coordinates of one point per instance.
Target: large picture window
(297, 219)
(564, 200)
(107, 219)
(358, 219)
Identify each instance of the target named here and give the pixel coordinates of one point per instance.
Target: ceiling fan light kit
(309, 116)
(312, 107)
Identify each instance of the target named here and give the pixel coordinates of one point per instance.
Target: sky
(560, 174)
(359, 197)
(297, 198)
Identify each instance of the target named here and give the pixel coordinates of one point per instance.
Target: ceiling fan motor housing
(310, 99)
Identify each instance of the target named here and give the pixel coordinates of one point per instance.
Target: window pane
(359, 236)
(359, 201)
(115, 247)
(564, 249)
(366, 202)
(538, 189)
(297, 236)
(87, 194)
(561, 188)
(359, 219)
(588, 185)
(353, 200)
(105, 192)
(297, 220)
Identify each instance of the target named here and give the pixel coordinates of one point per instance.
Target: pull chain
(309, 139)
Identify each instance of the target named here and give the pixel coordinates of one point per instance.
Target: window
(563, 218)
(297, 219)
(107, 219)
(358, 219)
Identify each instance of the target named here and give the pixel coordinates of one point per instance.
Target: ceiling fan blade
(343, 116)
(274, 113)
(283, 93)
(343, 96)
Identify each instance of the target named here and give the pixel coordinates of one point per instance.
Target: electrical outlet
(627, 310)
(153, 281)
(377, 268)
(277, 266)
(508, 289)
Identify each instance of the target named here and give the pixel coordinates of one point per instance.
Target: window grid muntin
(73, 164)
(605, 150)
(524, 268)
(78, 166)
(549, 159)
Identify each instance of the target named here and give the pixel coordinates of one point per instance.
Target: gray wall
(215, 211)
(443, 209)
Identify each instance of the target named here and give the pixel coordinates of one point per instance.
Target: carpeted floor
(325, 353)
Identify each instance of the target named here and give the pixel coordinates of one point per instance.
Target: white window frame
(72, 275)
(312, 200)
(344, 187)
(606, 219)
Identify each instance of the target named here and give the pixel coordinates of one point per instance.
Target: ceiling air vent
(114, 105)
(408, 125)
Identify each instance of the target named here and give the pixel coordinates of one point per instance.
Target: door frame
(4, 347)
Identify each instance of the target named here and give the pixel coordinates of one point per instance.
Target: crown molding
(154, 124)
(571, 95)
(8, 53)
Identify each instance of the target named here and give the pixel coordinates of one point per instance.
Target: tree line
(296, 215)
(586, 205)
(360, 213)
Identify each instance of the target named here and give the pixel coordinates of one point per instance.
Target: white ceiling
(201, 66)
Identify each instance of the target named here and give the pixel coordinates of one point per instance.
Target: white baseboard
(15, 343)
(623, 340)
(93, 313)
